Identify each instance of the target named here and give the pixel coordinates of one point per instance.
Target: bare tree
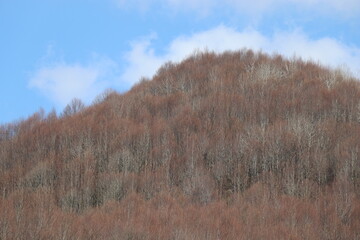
(75, 106)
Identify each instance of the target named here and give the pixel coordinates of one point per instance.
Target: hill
(239, 145)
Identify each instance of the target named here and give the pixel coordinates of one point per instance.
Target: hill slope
(240, 145)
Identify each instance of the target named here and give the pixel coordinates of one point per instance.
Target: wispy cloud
(144, 61)
(254, 7)
(144, 5)
(324, 6)
(61, 82)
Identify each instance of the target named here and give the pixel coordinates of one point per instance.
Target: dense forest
(238, 145)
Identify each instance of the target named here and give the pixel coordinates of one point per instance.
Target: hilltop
(238, 145)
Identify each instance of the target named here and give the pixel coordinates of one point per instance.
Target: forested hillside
(239, 145)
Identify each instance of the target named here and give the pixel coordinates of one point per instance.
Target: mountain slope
(239, 145)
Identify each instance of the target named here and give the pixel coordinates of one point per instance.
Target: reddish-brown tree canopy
(239, 145)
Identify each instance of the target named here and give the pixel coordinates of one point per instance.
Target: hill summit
(238, 145)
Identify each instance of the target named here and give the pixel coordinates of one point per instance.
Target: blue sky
(54, 50)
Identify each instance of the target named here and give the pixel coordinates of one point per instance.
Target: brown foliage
(239, 145)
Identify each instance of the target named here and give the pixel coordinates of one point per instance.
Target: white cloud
(61, 82)
(143, 60)
(218, 39)
(326, 50)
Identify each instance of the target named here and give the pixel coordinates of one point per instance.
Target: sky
(52, 51)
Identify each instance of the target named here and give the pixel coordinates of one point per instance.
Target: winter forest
(237, 145)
